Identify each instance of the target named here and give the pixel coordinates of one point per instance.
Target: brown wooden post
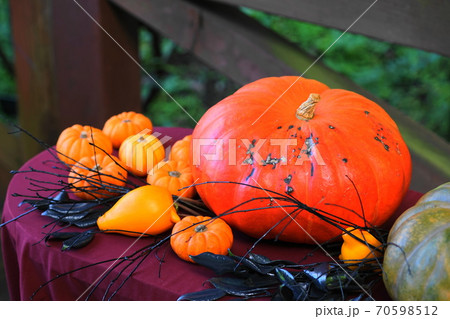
(69, 71)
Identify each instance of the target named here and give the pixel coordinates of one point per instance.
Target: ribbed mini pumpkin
(194, 235)
(75, 142)
(416, 263)
(180, 151)
(331, 149)
(173, 175)
(141, 152)
(125, 124)
(97, 176)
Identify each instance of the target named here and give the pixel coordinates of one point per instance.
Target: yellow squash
(145, 210)
(354, 251)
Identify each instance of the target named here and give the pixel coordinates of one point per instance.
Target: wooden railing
(77, 61)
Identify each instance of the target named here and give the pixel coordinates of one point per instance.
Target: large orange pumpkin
(125, 124)
(97, 176)
(75, 142)
(328, 148)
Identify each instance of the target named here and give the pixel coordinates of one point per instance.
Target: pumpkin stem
(174, 174)
(306, 110)
(83, 134)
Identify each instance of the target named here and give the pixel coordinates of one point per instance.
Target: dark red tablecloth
(29, 262)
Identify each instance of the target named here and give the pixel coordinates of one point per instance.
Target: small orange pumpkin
(194, 235)
(75, 142)
(97, 176)
(181, 149)
(173, 175)
(125, 124)
(141, 152)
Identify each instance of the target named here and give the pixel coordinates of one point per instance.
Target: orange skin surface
(350, 149)
(125, 124)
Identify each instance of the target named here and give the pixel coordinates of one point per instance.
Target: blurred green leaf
(414, 81)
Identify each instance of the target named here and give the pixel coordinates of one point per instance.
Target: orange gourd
(125, 124)
(97, 176)
(75, 142)
(331, 149)
(194, 235)
(173, 175)
(146, 210)
(141, 152)
(180, 151)
(355, 251)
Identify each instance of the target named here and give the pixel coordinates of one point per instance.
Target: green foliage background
(415, 81)
(7, 83)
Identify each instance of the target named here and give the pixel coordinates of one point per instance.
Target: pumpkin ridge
(440, 264)
(429, 273)
(372, 164)
(427, 282)
(428, 236)
(416, 211)
(419, 245)
(197, 240)
(214, 239)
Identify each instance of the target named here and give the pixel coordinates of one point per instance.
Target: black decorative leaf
(51, 213)
(90, 219)
(62, 196)
(87, 221)
(44, 203)
(262, 260)
(259, 259)
(72, 208)
(38, 203)
(218, 263)
(290, 287)
(64, 216)
(298, 292)
(74, 213)
(359, 297)
(59, 235)
(285, 277)
(259, 268)
(318, 274)
(78, 241)
(237, 287)
(257, 280)
(204, 295)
